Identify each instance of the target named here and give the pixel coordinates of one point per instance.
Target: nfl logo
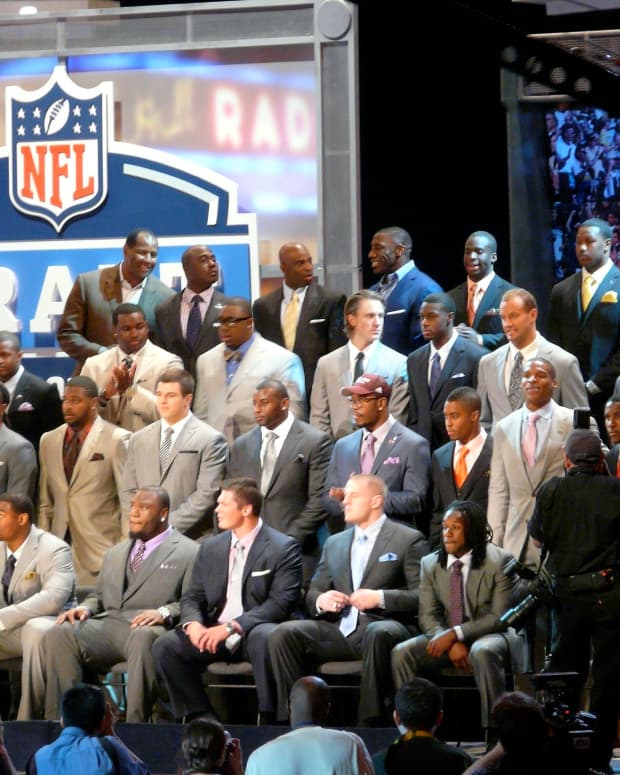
(57, 139)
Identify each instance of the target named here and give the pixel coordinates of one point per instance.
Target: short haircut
(202, 745)
(13, 339)
(21, 504)
(419, 703)
(127, 308)
(237, 301)
(445, 301)
(540, 359)
(476, 531)
(466, 395)
(245, 492)
(83, 706)
(177, 374)
(85, 383)
(488, 236)
(162, 494)
(399, 235)
(373, 481)
(521, 725)
(5, 396)
(352, 304)
(273, 384)
(613, 399)
(528, 299)
(132, 237)
(598, 223)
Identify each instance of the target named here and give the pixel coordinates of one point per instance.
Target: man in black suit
(477, 299)
(584, 314)
(460, 469)
(363, 600)
(35, 405)
(184, 322)
(316, 324)
(446, 361)
(245, 580)
(293, 477)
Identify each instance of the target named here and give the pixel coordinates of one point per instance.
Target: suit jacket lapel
(485, 302)
(389, 445)
(449, 368)
(111, 285)
(289, 450)
(184, 438)
(211, 315)
(605, 285)
(87, 449)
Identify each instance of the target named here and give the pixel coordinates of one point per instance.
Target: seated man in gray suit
(135, 601)
(381, 446)
(364, 315)
(289, 458)
(18, 458)
(363, 599)
(465, 630)
(191, 461)
(37, 582)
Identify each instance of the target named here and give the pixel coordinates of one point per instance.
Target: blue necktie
(435, 374)
(348, 622)
(194, 322)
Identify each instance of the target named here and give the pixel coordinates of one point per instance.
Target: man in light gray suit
(519, 311)
(190, 466)
(42, 582)
(227, 375)
(364, 315)
(18, 458)
(136, 600)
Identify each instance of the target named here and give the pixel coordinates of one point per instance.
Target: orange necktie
(471, 311)
(460, 469)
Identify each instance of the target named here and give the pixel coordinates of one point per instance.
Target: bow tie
(232, 355)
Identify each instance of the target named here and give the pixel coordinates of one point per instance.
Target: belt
(594, 581)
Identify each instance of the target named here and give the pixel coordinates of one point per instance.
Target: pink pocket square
(393, 461)
(25, 407)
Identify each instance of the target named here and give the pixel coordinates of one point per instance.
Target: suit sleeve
(23, 470)
(432, 613)
(50, 410)
(407, 600)
(319, 400)
(118, 465)
(486, 415)
(333, 479)
(572, 387)
(439, 506)
(129, 481)
(555, 318)
(400, 396)
(55, 568)
(292, 375)
(336, 336)
(72, 324)
(412, 415)
(313, 514)
(499, 490)
(199, 403)
(411, 500)
(45, 512)
(501, 600)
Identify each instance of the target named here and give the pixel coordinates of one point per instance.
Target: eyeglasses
(230, 322)
(357, 400)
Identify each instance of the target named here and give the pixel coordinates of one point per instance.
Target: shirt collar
(205, 295)
(281, 430)
(126, 284)
(381, 432)
(445, 348)
(11, 383)
(474, 445)
(288, 293)
(372, 531)
(482, 285)
(600, 273)
(177, 427)
(465, 559)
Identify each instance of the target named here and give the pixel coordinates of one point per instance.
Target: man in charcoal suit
(316, 313)
(293, 477)
(135, 601)
(18, 459)
(363, 599)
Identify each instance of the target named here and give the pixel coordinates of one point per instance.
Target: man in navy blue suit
(403, 287)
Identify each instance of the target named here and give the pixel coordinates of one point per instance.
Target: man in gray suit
(499, 380)
(467, 635)
(85, 327)
(293, 476)
(136, 600)
(191, 461)
(364, 315)
(227, 375)
(18, 458)
(37, 588)
(363, 599)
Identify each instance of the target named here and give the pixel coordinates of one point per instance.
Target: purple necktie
(457, 608)
(368, 455)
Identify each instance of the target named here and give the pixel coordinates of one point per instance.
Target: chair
(13, 668)
(115, 683)
(222, 676)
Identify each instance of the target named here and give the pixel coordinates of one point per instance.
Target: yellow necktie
(289, 325)
(587, 291)
(460, 469)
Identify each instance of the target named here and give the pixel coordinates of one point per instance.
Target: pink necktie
(529, 440)
(368, 455)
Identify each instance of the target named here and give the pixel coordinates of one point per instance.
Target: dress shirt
(11, 383)
(543, 425)
(150, 545)
(287, 295)
(246, 542)
(443, 351)
(176, 430)
(474, 449)
(187, 304)
(482, 286)
(281, 432)
(466, 560)
(379, 433)
(371, 534)
(130, 293)
(353, 351)
(407, 267)
(598, 276)
(529, 351)
(232, 366)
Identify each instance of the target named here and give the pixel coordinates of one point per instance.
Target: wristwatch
(165, 614)
(230, 628)
(103, 399)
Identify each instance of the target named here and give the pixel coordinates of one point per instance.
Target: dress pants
(487, 657)
(296, 647)
(179, 665)
(96, 644)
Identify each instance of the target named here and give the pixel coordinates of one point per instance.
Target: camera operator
(577, 520)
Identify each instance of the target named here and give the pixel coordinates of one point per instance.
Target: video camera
(539, 590)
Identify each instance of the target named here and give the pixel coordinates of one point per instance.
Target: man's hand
(363, 599)
(337, 493)
(458, 654)
(441, 643)
(147, 618)
(467, 332)
(124, 377)
(79, 614)
(332, 602)
(206, 638)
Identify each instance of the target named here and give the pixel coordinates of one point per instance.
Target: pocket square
(391, 461)
(460, 375)
(611, 297)
(25, 406)
(260, 572)
(96, 456)
(388, 557)
(32, 574)
(396, 312)
(317, 320)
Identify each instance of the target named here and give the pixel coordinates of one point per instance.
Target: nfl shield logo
(57, 139)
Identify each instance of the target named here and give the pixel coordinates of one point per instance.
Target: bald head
(309, 701)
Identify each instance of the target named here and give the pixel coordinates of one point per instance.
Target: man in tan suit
(126, 374)
(81, 465)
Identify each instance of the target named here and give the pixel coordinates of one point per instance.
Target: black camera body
(539, 590)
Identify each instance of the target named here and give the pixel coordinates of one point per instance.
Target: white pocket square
(260, 572)
(396, 312)
(388, 557)
(317, 320)
(457, 376)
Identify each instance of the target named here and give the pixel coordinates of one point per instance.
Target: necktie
(8, 575)
(587, 291)
(471, 299)
(164, 450)
(457, 604)
(70, 452)
(359, 558)
(368, 454)
(136, 560)
(515, 396)
(460, 469)
(529, 440)
(194, 322)
(386, 283)
(234, 603)
(359, 366)
(289, 324)
(232, 355)
(269, 461)
(435, 374)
